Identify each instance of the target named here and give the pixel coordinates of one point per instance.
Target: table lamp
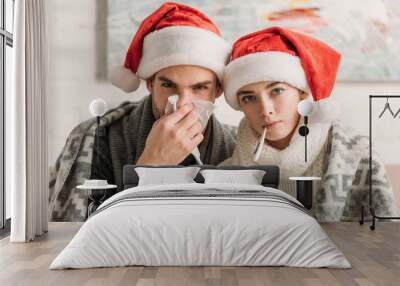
(305, 108)
(97, 108)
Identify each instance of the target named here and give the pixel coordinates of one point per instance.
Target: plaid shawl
(127, 126)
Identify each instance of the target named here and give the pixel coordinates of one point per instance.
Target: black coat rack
(370, 207)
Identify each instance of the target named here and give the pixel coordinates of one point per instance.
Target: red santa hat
(282, 55)
(174, 34)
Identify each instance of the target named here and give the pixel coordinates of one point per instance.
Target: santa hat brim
(177, 45)
(183, 45)
(262, 66)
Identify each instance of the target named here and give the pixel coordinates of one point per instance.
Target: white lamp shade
(98, 107)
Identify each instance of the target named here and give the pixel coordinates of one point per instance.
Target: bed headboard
(270, 179)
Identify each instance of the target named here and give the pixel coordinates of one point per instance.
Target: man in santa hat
(270, 73)
(176, 50)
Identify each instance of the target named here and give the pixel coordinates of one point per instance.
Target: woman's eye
(248, 98)
(277, 91)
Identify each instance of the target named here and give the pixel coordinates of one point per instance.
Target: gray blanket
(345, 180)
(127, 128)
(206, 193)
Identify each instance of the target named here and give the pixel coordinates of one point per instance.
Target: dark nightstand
(96, 194)
(304, 190)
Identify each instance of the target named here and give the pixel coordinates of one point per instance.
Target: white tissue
(203, 108)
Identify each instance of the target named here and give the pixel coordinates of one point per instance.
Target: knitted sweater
(127, 128)
(290, 160)
(338, 155)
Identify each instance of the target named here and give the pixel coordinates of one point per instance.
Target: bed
(201, 224)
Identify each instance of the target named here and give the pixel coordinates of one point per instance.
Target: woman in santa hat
(269, 74)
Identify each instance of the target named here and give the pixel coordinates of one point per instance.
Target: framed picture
(366, 32)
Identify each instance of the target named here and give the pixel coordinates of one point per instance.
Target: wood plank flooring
(374, 255)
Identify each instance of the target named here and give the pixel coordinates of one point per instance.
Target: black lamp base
(304, 193)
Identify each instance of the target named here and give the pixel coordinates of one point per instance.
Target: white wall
(72, 26)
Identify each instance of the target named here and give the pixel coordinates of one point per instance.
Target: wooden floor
(374, 255)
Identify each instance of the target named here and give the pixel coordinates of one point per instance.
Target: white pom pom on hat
(125, 79)
(325, 111)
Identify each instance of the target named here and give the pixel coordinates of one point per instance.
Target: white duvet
(182, 231)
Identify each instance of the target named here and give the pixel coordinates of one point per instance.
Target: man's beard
(156, 112)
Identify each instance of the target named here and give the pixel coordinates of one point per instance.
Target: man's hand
(172, 138)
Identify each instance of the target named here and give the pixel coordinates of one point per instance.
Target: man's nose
(185, 97)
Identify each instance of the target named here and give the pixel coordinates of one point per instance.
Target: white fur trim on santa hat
(183, 45)
(262, 66)
(124, 78)
(325, 111)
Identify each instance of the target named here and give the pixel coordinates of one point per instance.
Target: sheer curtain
(26, 120)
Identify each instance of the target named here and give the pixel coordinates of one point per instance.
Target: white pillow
(249, 177)
(163, 176)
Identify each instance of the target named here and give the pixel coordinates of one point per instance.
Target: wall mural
(366, 32)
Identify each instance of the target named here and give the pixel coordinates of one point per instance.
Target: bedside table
(96, 194)
(304, 190)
